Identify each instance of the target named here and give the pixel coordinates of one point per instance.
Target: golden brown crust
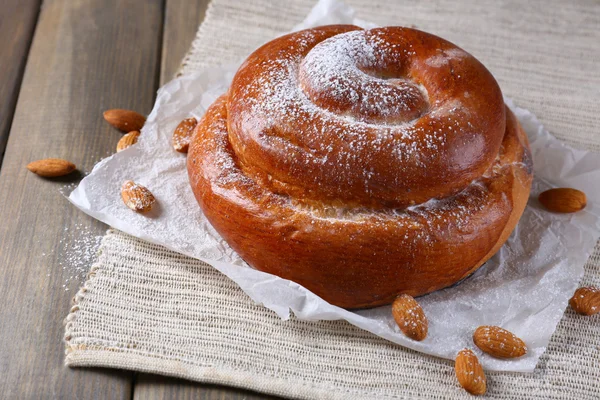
(350, 250)
(432, 111)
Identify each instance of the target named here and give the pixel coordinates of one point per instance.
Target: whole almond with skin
(469, 372)
(586, 300)
(51, 167)
(410, 317)
(127, 140)
(137, 197)
(183, 134)
(498, 342)
(124, 120)
(563, 200)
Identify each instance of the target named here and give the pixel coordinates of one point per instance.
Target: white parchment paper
(524, 288)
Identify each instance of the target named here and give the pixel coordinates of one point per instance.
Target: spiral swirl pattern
(382, 118)
(362, 164)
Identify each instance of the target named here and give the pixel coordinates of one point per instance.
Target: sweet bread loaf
(362, 164)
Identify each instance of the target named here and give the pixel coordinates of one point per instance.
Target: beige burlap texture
(149, 309)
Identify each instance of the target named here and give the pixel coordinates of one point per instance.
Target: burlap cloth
(149, 309)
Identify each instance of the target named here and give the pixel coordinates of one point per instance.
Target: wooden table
(62, 63)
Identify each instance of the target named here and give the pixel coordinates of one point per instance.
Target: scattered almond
(127, 140)
(51, 167)
(124, 120)
(183, 134)
(563, 200)
(469, 372)
(586, 300)
(410, 317)
(137, 197)
(498, 342)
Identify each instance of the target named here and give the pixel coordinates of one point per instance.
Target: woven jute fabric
(149, 309)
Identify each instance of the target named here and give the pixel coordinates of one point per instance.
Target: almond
(183, 134)
(469, 372)
(410, 317)
(586, 300)
(51, 167)
(124, 120)
(137, 197)
(563, 200)
(498, 342)
(127, 140)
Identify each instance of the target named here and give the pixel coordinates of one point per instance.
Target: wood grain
(156, 387)
(182, 18)
(86, 56)
(17, 23)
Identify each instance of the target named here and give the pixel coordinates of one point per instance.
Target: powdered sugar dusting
(360, 124)
(73, 253)
(340, 142)
(336, 74)
(444, 57)
(421, 223)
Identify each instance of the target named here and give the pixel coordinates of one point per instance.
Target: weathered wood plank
(182, 18)
(17, 23)
(86, 56)
(155, 387)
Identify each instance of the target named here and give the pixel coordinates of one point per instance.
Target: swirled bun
(362, 164)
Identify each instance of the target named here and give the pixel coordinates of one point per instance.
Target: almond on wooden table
(137, 197)
(563, 200)
(586, 300)
(183, 134)
(410, 317)
(469, 372)
(127, 140)
(51, 167)
(498, 342)
(125, 120)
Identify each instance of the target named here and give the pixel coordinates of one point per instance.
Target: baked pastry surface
(362, 164)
